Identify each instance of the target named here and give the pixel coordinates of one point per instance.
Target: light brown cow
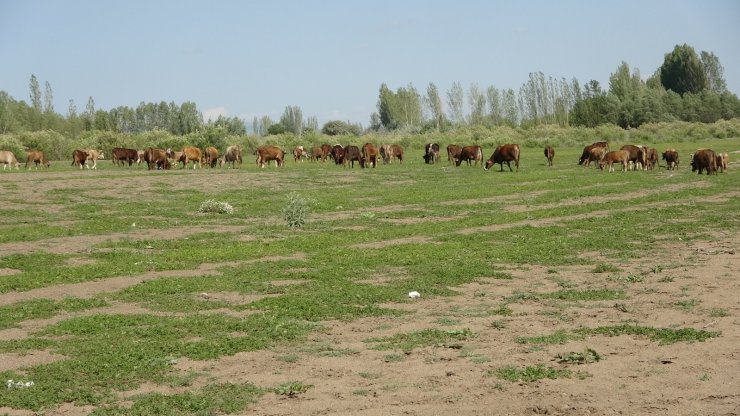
(299, 154)
(193, 154)
(722, 160)
(37, 157)
(94, 155)
(637, 156)
(453, 153)
(671, 159)
(7, 158)
(369, 155)
(265, 154)
(233, 154)
(210, 156)
(317, 153)
(615, 156)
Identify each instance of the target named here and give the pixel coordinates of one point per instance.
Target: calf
(587, 151)
(7, 158)
(317, 153)
(431, 153)
(299, 154)
(369, 155)
(651, 158)
(549, 154)
(671, 159)
(595, 154)
(210, 156)
(615, 156)
(722, 160)
(453, 153)
(232, 155)
(505, 153)
(37, 157)
(468, 153)
(94, 155)
(79, 157)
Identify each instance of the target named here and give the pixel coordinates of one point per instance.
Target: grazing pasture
(557, 290)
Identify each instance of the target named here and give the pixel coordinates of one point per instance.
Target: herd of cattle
(628, 156)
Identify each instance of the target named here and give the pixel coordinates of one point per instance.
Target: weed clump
(296, 210)
(217, 207)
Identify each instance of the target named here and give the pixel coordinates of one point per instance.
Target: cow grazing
(397, 152)
(7, 158)
(468, 153)
(156, 158)
(121, 156)
(615, 156)
(704, 159)
(595, 154)
(232, 155)
(317, 153)
(431, 153)
(391, 151)
(722, 160)
(638, 156)
(453, 153)
(191, 153)
(651, 158)
(369, 155)
(94, 155)
(337, 153)
(79, 157)
(177, 157)
(549, 154)
(504, 153)
(37, 158)
(352, 154)
(671, 159)
(266, 154)
(210, 156)
(299, 154)
(585, 156)
(326, 148)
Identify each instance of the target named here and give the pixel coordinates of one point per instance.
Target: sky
(329, 57)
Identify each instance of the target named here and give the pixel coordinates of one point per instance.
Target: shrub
(216, 206)
(296, 210)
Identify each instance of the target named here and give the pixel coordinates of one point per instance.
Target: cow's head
(489, 163)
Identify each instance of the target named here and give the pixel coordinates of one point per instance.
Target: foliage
(587, 356)
(427, 337)
(296, 210)
(682, 71)
(340, 128)
(532, 373)
(218, 207)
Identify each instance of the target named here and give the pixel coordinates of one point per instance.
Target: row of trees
(687, 87)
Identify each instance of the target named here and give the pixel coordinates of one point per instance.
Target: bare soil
(348, 377)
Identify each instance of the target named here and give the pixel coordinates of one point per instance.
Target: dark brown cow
(337, 153)
(431, 153)
(671, 159)
(468, 153)
(722, 160)
(369, 155)
(615, 156)
(156, 158)
(37, 157)
(210, 156)
(453, 153)
(638, 155)
(587, 151)
(549, 154)
(352, 154)
(120, 156)
(704, 159)
(232, 155)
(266, 154)
(79, 157)
(504, 153)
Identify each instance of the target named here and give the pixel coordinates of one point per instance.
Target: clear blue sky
(254, 58)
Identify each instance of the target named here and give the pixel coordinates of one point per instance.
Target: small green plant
(705, 377)
(503, 310)
(498, 325)
(361, 392)
(446, 321)
(216, 207)
(605, 268)
(686, 305)
(426, 337)
(292, 388)
(394, 358)
(585, 357)
(558, 337)
(531, 373)
(667, 279)
(718, 312)
(289, 358)
(296, 210)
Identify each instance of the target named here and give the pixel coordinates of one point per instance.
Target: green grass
(531, 373)
(424, 338)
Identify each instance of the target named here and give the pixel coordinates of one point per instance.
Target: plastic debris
(19, 384)
(414, 295)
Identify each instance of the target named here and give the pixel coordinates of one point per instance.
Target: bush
(296, 210)
(215, 206)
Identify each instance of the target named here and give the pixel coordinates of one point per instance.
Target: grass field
(118, 296)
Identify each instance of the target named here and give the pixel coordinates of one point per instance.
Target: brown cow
(549, 154)
(210, 156)
(453, 153)
(233, 154)
(620, 156)
(7, 158)
(722, 160)
(651, 158)
(352, 154)
(397, 152)
(156, 158)
(193, 154)
(595, 154)
(369, 155)
(638, 156)
(266, 154)
(337, 153)
(317, 153)
(326, 148)
(37, 157)
(704, 159)
(504, 153)
(431, 153)
(79, 157)
(121, 156)
(391, 151)
(671, 159)
(299, 154)
(94, 155)
(468, 153)
(587, 152)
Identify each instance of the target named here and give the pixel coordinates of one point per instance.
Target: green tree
(292, 120)
(340, 128)
(495, 110)
(477, 102)
(434, 104)
(455, 97)
(714, 72)
(89, 115)
(682, 71)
